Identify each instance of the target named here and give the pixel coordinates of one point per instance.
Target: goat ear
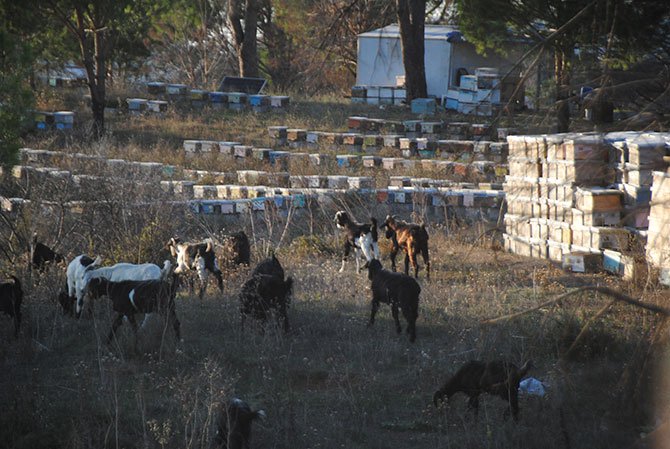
(173, 251)
(209, 246)
(96, 262)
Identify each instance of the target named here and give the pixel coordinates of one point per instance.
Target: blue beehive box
(451, 103)
(423, 106)
(218, 97)
(259, 100)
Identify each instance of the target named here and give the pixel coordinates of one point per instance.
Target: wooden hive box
(296, 135)
(598, 199)
(278, 132)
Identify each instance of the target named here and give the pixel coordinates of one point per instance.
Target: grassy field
(332, 382)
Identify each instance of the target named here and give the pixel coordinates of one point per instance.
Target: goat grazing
(362, 237)
(116, 273)
(498, 378)
(11, 296)
(398, 290)
(412, 238)
(75, 275)
(41, 255)
(132, 297)
(233, 429)
(266, 290)
(199, 257)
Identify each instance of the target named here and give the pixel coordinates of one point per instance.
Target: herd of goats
(147, 288)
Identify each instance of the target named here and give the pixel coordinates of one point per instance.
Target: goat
(75, 275)
(265, 290)
(498, 378)
(362, 237)
(41, 255)
(116, 273)
(412, 238)
(198, 256)
(236, 249)
(233, 429)
(398, 290)
(11, 296)
(132, 297)
(269, 266)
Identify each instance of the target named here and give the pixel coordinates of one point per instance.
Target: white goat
(117, 273)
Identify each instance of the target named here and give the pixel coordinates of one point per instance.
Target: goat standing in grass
(498, 378)
(361, 237)
(11, 296)
(132, 297)
(398, 290)
(266, 290)
(199, 257)
(412, 238)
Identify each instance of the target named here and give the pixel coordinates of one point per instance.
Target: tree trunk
(562, 75)
(92, 48)
(412, 17)
(245, 37)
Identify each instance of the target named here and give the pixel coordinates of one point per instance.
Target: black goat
(397, 289)
(11, 296)
(498, 378)
(234, 425)
(236, 249)
(266, 290)
(132, 297)
(43, 255)
(270, 267)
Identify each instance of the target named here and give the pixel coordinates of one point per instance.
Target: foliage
(15, 96)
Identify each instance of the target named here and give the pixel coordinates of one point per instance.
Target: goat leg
(373, 312)
(394, 312)
(394, 253)
(219, 280)
(133, 324)
(426, 261)
(407, 263)
(118, 321)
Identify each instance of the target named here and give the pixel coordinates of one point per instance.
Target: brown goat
(412, 238)
(498, 378)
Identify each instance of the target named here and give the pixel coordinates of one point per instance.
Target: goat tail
(209, 246)
(17, 282)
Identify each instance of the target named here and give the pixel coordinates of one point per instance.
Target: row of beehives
(225, 199)
(45, 120)
(422, 147)
(566, 201)
(215, 100)
(88, 168)
(417, 128)
(232, 100)
(484, 170)
(184, 181)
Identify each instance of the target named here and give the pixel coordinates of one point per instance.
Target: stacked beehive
(556, 200)
(658, 238)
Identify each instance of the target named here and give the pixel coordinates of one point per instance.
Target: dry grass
(331, 383)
